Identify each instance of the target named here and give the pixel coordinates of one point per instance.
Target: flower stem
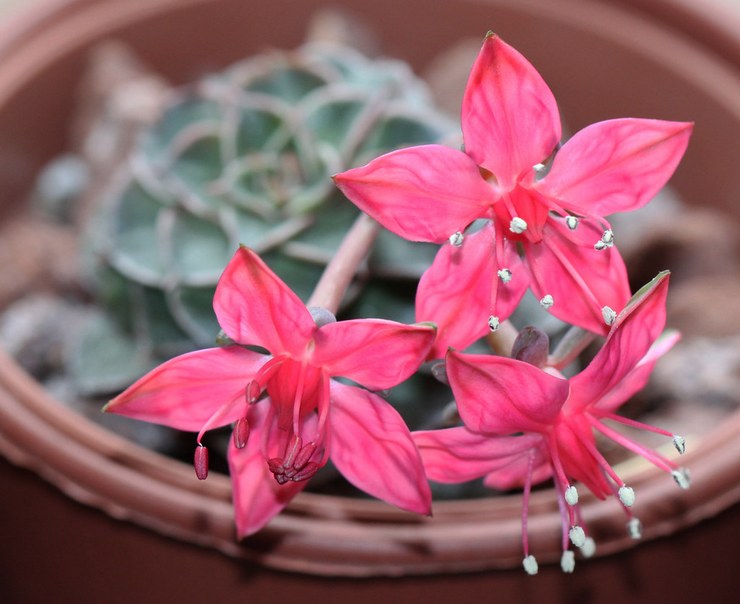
(339, 273)
(502, 340)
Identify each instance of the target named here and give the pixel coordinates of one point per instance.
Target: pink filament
(653, 457)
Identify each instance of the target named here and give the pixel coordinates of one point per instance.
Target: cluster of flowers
(512, 211)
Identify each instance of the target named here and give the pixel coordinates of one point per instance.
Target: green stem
(339, 273)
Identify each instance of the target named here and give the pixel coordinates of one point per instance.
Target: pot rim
(133, 483)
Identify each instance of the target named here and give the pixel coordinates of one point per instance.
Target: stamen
(588, 549)
(571, 495)
(607, 240)
(530, 565)
(609, 315)
(547, 301)
(241, 433)
(517, 225)
(505, 275)
(568, 561)
(577, 536)
(539, 168)
(456, 239)
(682, 478)
(634, 528)
(200, 462)
(680, 443)
(572, 222)
(295, 465)
(493, 323)
(252, 392)
(651, 456)
(627, 496)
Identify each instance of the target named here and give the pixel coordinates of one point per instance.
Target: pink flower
(524, 424)
(289, 415)
(546, 233)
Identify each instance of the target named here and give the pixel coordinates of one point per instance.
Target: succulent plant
(245, 156)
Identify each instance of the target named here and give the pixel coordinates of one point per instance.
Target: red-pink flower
(547, 233)
(523, 424)
(289, 415)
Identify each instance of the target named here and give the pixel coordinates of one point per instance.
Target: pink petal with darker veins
(372, 447)
(254, 306)
(498, 395)
(616, 165)
(185, 392)
(423, 193)
(510, 119)
(376, 353)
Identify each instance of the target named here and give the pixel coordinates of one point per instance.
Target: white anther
(517, 225)
(456, 239)
(505, 275)
(680, 443)
(572, 222)
(547, 301)
(634, 528)
(539, 168)
(568, 561)
(609, 315)
(493, 323)
(530, 565)
(588, 549)
(627, 496)
(681, 476)
(607, 240)
(571, 495)
(577, 536)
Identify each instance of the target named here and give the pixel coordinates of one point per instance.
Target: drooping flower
(524, 424)
(547, 233)
(289, 416)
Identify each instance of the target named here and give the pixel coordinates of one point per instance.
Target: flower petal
(424, 193)
(376, 353)
(510, 120)
(186, 391)
(616, 165)
(498, 395)
(258, 498)
(580, 279)
(628, 342)
(372, 447)
(254, 306)
(454, 455)
(461, 289)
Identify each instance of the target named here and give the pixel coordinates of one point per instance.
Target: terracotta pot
(601, 61)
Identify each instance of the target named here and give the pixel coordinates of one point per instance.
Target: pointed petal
(258, 498)
(186, 391)
(461, 289)
(454, 455)
(423, 193)
(581, 279)
(372, 447)
(510, 120)
(254, 306)
(628, 342)
(376, 353)
(574, 439)
(636, 379)
(498, 395)
(616, 165)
